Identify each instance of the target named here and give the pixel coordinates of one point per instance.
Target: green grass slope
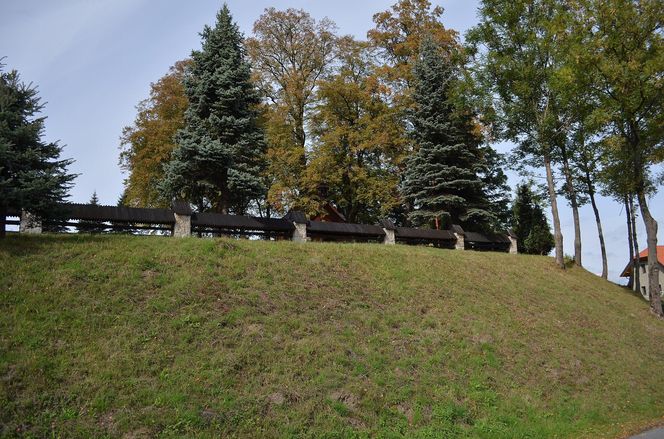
(143, 336)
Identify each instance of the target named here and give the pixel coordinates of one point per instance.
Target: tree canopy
(33, 177)
(147, 145)
(442, 177)
(219, 158)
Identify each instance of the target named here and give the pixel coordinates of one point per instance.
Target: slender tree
(32, 175)
(442, 178)
(566, 150)
(587, 162)
(634, 280)
(218, 161)
(516, 50)
(636, 261)
(623, 51)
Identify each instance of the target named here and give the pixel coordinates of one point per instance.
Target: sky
(93, 61)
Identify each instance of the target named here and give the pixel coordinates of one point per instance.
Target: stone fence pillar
(30, 224)
(514, 249)
(389, 229)
(182, 213)
(459, 235)
(299, 220)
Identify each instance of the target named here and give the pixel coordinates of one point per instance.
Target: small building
(643, 272)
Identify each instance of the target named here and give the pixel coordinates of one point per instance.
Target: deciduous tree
(148, 143)
(290, 51)
(398, 35)
(624, 51)
(356, 138)
(517, 55)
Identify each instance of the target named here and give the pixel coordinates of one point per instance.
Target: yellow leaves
(148, 143)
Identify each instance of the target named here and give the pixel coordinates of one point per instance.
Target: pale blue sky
(94, 60)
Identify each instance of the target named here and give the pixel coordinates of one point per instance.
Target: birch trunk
(575, 208)
(630, 241)
(653, 264)
(635, 241)
(557, 233)
(598, 220)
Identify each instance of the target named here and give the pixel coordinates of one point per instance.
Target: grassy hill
(145, 336)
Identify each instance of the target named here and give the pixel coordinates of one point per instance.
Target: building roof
(643, 257)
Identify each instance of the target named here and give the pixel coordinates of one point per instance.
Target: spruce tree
(218, 160)
(442, 178)
(530, 224)
(32, 175)
(92, 226)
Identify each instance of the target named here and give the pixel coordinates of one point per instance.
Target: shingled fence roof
(348, 229)
(428, 234)
(240, 223)
(116, 214)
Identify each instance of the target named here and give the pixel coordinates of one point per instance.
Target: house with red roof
(643, 271)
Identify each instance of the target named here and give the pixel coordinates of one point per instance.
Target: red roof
(660, 254)
(643, 256)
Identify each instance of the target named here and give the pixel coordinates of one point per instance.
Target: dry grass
(140, 337)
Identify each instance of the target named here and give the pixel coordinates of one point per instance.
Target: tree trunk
(636, 262)
(630, 240)
(575, 208)
(653, 264)
(3, 221)
(557, 233)
(300, 135)
(598, 220)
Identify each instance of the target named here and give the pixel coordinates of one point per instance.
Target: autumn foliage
(147, 143)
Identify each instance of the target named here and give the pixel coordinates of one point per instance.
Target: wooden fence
(182, 221)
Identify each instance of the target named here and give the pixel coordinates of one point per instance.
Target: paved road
(657, 433)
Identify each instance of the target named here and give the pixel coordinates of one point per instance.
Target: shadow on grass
(17, 245)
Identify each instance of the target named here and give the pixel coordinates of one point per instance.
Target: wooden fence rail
(182, 221)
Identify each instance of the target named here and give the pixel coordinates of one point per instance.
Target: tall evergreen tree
(218, 160)
(495, 186)
(442, 178)
(32, 176)
(529, 223)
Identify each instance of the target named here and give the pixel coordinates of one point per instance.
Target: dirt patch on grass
(346, 398)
